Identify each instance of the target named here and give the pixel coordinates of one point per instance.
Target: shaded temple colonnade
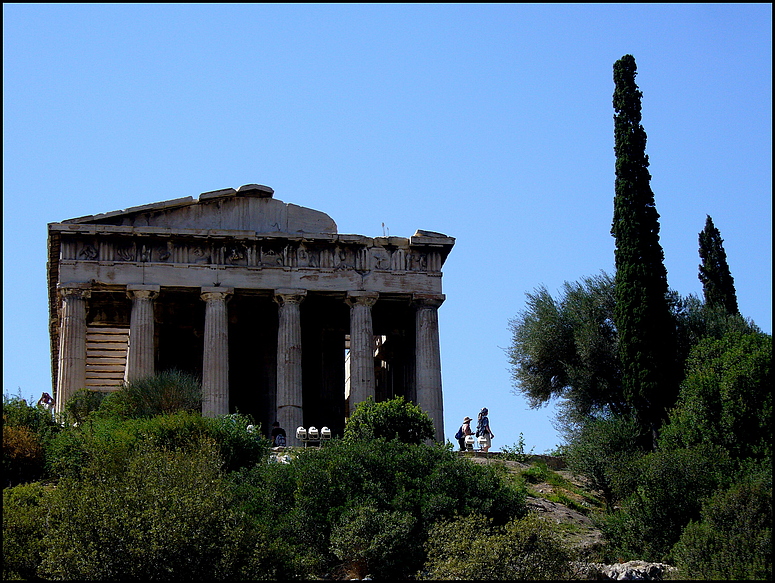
(279, 315)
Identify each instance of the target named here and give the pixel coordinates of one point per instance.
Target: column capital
(215, 293)
(289, 296)
(77, 290)
(364, 298)
(428, 300)
(141, 291)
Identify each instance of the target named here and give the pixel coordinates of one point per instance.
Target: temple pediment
(249, 208)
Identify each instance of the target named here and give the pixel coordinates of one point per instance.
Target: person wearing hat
(461, 434)
(483, 430)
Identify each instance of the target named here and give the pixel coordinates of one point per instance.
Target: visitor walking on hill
(463, 432)
(483, 429)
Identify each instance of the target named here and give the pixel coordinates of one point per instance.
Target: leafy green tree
(394, 419)
(566, 348)
(26, 432)
(718, 285)
(726, 397)
(471, 548)
(602, 450)
(645, 329)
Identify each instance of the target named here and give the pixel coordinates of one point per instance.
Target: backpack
(459, 434)
(279, 440)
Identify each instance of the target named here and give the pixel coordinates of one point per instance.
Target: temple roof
(251, 207)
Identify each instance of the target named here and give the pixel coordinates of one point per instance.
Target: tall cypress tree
(718, 285)
(642, 316)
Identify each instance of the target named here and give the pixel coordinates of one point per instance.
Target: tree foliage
(645, 329)
(394, 419)
(567, 348)
(471, 548)
(726, 397)
(336, 505)
(733, 539)
(718, 285)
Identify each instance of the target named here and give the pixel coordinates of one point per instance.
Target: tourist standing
(463, 432)
(483, 430)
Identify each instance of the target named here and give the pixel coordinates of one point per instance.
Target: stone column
(362, 382)
(290, 412)
(215, 363)
(71, 374)
(428, 358)
(140, 359)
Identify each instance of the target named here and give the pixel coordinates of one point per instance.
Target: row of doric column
(215, 365)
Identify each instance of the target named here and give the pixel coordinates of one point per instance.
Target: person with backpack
(465, 429)
(277, 435)
(483, 430)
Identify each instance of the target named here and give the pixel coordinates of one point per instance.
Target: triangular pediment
(249, 208)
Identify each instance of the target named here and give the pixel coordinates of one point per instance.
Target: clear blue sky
(491, 123)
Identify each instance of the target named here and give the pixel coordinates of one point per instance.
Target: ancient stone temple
(278, 314)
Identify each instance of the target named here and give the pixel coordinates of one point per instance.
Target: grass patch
(563, 491)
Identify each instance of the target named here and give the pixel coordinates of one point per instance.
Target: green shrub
(726, 397)
(27, 430)
(24, 518)
(166, 516)
(373, 542)
(316, 502)
(160, 394)
(81, 404)
(472, 548)
(671, 486)
(103, 444)
(395, 419)
(23, 458)
(603, 451)
(733, 539)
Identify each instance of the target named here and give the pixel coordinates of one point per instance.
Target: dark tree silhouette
(718, 285)
(642, 316)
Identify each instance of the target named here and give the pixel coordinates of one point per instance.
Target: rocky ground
(576, 528)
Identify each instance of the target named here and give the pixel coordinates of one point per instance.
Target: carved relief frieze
(88, 252)
(270, 257)
(362, 256)
(236, 254)
(380, 258)
(126, 251)
(198, 253)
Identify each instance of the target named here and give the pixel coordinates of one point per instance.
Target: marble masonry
(278, 314)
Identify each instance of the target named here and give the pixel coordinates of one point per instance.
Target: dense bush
(369, 541)
(473, 548)
(394, 419)
(106, 442)
(337, 505)
(26, 432)
(726, 398)
(167, 515)
(603, 450)
(668, 488)
(23, 457)
(163, 393)
(24, 518)
(733, 539)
